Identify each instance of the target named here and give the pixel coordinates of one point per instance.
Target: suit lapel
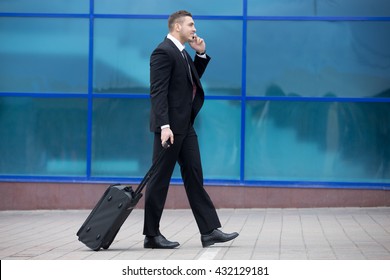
(180, 57)
(195, 76)
(177, 53)
(188, 63)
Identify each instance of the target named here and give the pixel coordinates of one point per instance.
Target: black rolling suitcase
(109, 214)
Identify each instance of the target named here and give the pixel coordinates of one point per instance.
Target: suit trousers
(185, 151)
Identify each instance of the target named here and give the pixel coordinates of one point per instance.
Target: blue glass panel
(44, 6)
(43, 136)
(199, 7)
(122, 54)
(44, 55)
(318, 59)
(319, 8)
(122, 143)
(281, 7)
(353, 8)
(218, 127)
(318, 141)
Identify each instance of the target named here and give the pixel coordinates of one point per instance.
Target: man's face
(187, 29)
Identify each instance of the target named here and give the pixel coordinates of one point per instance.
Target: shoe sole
(167, 247)
(209, 243)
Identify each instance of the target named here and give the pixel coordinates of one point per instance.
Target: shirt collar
(176, 42)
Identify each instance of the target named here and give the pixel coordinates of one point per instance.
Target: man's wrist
(201, 53)
(165, 126)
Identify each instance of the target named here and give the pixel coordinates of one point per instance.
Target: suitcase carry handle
(166, 144)
(153, 168)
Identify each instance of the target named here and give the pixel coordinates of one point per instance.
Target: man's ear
(177, 27)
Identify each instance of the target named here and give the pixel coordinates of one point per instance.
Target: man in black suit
(177, 96)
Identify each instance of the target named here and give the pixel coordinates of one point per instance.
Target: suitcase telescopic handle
(153, 168)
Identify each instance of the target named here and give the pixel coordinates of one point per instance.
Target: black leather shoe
(159, 242)
(216, 236)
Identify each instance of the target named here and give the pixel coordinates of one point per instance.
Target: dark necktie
(184, 53)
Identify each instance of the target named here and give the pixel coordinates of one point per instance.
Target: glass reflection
(318, 8)
(318, 141)
(319, 59)
(44, 55)
(44, 6)
(121, 60)
(121, 144)
(199, 7)
(43, 136)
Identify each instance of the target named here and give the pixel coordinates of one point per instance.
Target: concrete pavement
(265, 234)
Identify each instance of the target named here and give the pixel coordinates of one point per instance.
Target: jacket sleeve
(160, 71)
(201, 64)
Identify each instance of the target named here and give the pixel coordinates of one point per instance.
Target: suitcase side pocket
(95, 209)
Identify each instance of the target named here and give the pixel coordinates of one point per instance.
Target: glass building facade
(297, 91)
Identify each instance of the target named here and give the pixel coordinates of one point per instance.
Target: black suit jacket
(171, 88)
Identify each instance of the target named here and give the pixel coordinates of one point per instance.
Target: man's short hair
(177, 17)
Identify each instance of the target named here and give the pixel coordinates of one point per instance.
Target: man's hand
(198, 44)
(166, 133)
